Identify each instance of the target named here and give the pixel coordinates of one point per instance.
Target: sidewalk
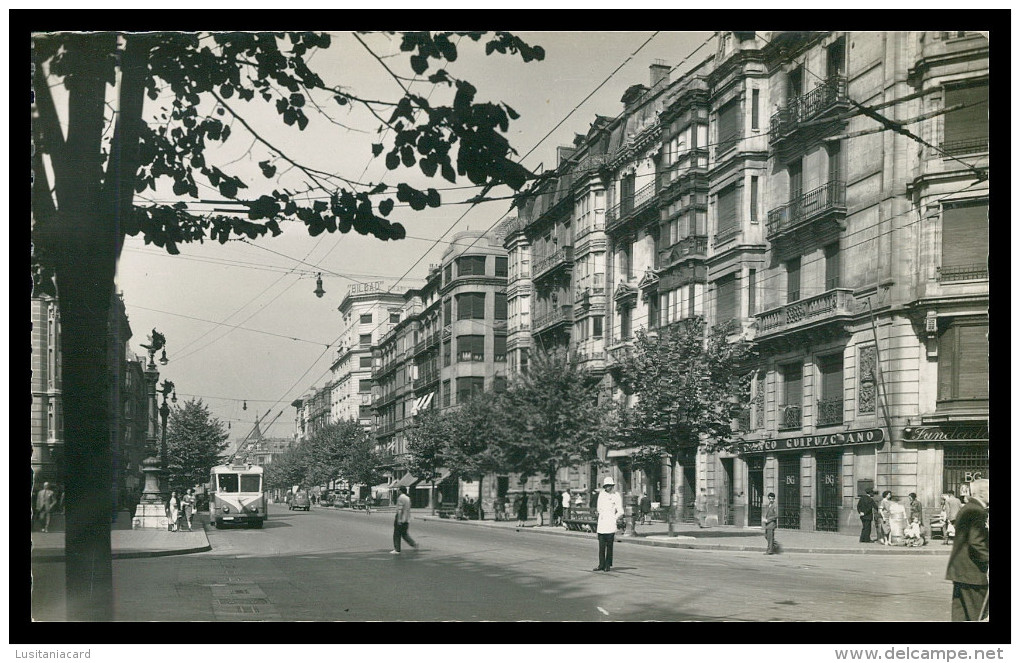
(127, 543)
(726, 537)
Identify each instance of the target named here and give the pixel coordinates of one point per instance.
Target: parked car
(300, 501)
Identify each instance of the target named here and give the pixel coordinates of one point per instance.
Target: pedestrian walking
(610, 510)
(701, 506)
(771, 522)
(522, 510)
(866, 510)
(401, 521)
(189, 507)
(564, 505)
(542, 508)
(173, 511)
(645, 505)
(45, 503)
(968, 561)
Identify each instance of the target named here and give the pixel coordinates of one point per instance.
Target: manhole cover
(241, 609)
(242, 601)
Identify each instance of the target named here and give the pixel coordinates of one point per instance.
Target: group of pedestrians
(178, 507)
(887, 511)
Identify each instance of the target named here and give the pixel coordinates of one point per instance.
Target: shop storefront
(964, 450)
(814, 477)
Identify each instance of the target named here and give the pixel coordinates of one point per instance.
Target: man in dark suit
(968, 561)
(771, 522)
(866, 509)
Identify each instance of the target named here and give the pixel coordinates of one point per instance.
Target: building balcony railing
(789, 417)
(631, 204)
(446, 332)
(966, 146)
(583, 230)
(559, 315)
(425, 380)
(828, 96)
(827, 200)
(519, 275)
(561, 257)
(590, 287)
(693, 160)
(519, 327)
(384, 429)
(833, 304)
(694, 246)
(972, 272)
(830, 412)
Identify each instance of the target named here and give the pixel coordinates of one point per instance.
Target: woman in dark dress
(522, 510)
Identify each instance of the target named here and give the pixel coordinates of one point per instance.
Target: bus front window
(251, 483)
(228, 483)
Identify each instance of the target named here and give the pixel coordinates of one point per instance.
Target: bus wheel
(258, 524)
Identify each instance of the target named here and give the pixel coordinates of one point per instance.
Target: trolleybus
(238, 495)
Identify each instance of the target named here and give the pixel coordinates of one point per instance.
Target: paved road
(334, 565)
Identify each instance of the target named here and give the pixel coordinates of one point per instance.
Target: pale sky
(251, 287)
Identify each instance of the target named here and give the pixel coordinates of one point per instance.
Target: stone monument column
(151, 511)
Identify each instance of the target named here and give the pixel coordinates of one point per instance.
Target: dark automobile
(300, 501)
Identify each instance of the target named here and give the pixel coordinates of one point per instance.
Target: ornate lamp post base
(151, 511)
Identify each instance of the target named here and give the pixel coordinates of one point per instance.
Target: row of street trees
(684, 388)
(341, 449)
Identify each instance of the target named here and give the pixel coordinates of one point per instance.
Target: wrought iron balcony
(695, 246)
(631, 204)
(831, 305)
(829, 96)
(962, 272)
(967, 146)
(596, 225)
(519, 327)
(693, 160)
(426, 379)
(830, 412)
(561, 257)
(827, 201)
(559, 315)
(789, 417)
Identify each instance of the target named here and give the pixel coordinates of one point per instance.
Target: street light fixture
(319, 292)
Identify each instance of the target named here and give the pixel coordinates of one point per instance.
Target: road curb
(45, 557)
(658, 543)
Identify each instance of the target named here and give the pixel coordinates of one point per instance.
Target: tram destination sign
(845, 438)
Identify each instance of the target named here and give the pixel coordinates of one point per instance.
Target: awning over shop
(405, 480)
(424, 484)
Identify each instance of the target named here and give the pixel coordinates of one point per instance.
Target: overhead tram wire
(892, 124)
(495, 223)
(223, 324)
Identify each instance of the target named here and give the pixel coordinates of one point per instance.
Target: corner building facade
(755, 191)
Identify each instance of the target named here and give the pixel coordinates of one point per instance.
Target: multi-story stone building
(368, 312)
(47, 416)
(766, 190)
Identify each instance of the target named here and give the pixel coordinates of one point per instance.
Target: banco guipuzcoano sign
(846, 438)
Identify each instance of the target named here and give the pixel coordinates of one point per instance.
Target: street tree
(329, 448)
(426, 441)
(144, 110)
(478, 436)
(361, 462)
(557, 418)
(288, 469)
(689, 386)
(195, 443)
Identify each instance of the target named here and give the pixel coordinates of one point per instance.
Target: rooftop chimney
(659, 74)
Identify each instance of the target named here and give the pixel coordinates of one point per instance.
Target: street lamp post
(150, 513)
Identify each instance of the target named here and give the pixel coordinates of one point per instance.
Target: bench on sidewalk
(581, 520)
